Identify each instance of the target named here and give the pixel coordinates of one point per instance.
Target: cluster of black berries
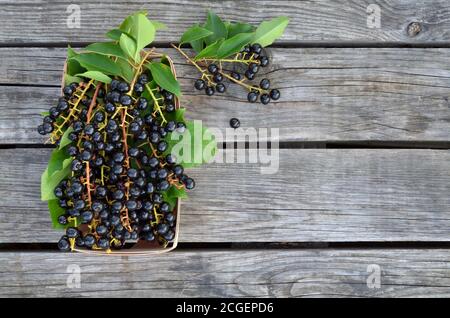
(253, 57)
(120, 169)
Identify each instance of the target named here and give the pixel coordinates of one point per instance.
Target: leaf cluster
(220, 39)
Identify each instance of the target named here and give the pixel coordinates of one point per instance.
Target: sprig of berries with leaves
(225, 48)
(113, 178)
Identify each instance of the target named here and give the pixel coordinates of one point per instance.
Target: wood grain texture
(236, 273)
(327, 95)
(317, 196)
(36, 21)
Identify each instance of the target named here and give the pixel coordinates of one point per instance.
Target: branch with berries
(234, 52)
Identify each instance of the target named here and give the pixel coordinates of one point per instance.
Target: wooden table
(364, 178)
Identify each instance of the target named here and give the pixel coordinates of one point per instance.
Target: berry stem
(88, 183)
(155, 100)
(235, 60)
(241, 82)
(139, 70)
(124, 138)
(93, 103)
(201, 70)
(54, 137)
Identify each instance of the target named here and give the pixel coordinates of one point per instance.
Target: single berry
(103, 243)
(181, 127)
(218, 78)
(171, 159)
(142, 103)
(249, 75)
(101, 230)
(220, 88)
(62, 105)
(236, 76)
(164, 207)
(63, 244)
(138, 88)
(199, 84)
(213, 69)
(264, 84)
(162, 228)
(148, 236)
(170, 107)
(263, 61)
(170, 235)
(209, 90)
(123, 87)
(252, 97)
(125, 100)
(99, 117)
(62, 219)
(265, 99)
(68, 91)
(114, 84)
(47, 128)
(168, 96)
(253, 67)
(87, 216)
(275, 94)
(110, 108)
(178, 170)
(132, 173)
(41, 130)
(162, 146)
(89, 240)
(133, 152)
(235, 123)
(256, 48)
(72, 232)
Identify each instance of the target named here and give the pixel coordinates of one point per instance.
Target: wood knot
(414, 28)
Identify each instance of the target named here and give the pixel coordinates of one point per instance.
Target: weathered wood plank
(311, 21)
(317, 195)
(235, 273)
(338, 94)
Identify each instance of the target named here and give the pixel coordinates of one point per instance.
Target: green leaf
(215, 24)
(170, 196)
(126, 70)
(97, 62)
(128, 45)
(177, 115)
(71, 52)
(95, 75)
(141, 29)
(57, 160)
(114, 34)
(236, 28)
(234, 44)
(209, 51)
(107, 48)
(158, 25)
(268, 31)
(197, 45)
(55, 212)
(68, 79)
(192, 148)
(65, 138)
(195, 33)
(45, 114)
(49, 182)
(73, 67)
(163, 76)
